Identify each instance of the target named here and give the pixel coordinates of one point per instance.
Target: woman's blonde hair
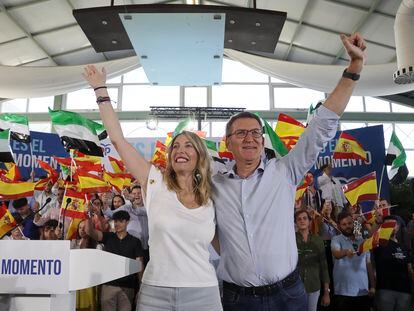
(201, 173)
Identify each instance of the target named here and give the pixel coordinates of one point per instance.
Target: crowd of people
(275, 253)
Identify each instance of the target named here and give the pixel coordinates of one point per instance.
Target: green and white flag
(182, 126)
(212, 148)
(396, 157)
(77, 132)
(6, 154)
(18, 126)
(273, 142)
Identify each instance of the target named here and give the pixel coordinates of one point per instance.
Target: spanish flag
(362, 189)
(289, 130)
(12, 172)
(16, 190)
(300, 190)
(347, 147)
(379, 237)
(51, 173)
(223, 151)
(118, 181)
(72, 232)
(76, 208)
(117, 165)
(370, 216)
(159, 157)
(91, 183)
(7, 221)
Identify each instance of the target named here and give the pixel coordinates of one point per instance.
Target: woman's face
(184, 156)
(96, 205)
(117, 202)
(302, 221)
(327, 208)
(17, 233)
(82, 232)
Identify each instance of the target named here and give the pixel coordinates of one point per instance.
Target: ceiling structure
(45, 33)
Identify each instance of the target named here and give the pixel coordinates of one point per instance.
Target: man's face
(120, 225)
(249, 148)
(136, 197)
(346, 225)
(383, 204)
(24, 210)
(328, 170)
(49, 233)
(60, 195)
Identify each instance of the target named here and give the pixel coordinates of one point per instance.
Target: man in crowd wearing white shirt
(41, 197)
(331, 188)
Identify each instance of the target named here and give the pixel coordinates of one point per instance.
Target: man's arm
(371, 277)
(338, 99)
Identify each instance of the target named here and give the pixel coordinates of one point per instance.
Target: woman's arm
(134, 161)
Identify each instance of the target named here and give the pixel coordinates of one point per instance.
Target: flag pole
(380, 185)
(32, 174)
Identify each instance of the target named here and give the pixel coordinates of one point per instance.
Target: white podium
(44, 275)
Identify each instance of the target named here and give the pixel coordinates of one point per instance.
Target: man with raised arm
(254, 202)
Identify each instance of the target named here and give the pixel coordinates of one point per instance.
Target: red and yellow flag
(13, 172)
(347, 147)
(72, 232)
(159, 157)
(289, 130)
(380, 236)
(7, 221)
(300, 190)
(118, 181)
(362, 189)
(16, 190)
(117, 165)
(51, 173)
(76, 208)
(92, 183)
(223, 151)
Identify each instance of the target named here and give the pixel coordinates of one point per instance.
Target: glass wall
(242, 87)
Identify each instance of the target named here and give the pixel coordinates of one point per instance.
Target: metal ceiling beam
(24, 5)
(359, 7)
(298, 26)
(28, 34)
(358, 26)
(271, 115)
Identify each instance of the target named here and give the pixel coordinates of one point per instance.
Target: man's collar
(232, 172)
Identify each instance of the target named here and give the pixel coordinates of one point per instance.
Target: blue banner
(43, 146)
(372, 140)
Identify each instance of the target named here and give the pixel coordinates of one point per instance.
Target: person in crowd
(107, 198)
(50, 230)
(326, 227)
(410, 231)
(138, 225)
(117, 201)
(54, 210)
(254, 201)
(352, 273)
(181, 216)
(394, 272)
(16, 233)
(40, 198)
(86, 299)
(331, 188)
(98, 218)
(312, 262)
(26, 215)
(312, 198)
(118, 294)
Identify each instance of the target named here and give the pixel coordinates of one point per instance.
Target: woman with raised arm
(180, 215)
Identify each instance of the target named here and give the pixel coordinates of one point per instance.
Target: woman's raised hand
(94, 77)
